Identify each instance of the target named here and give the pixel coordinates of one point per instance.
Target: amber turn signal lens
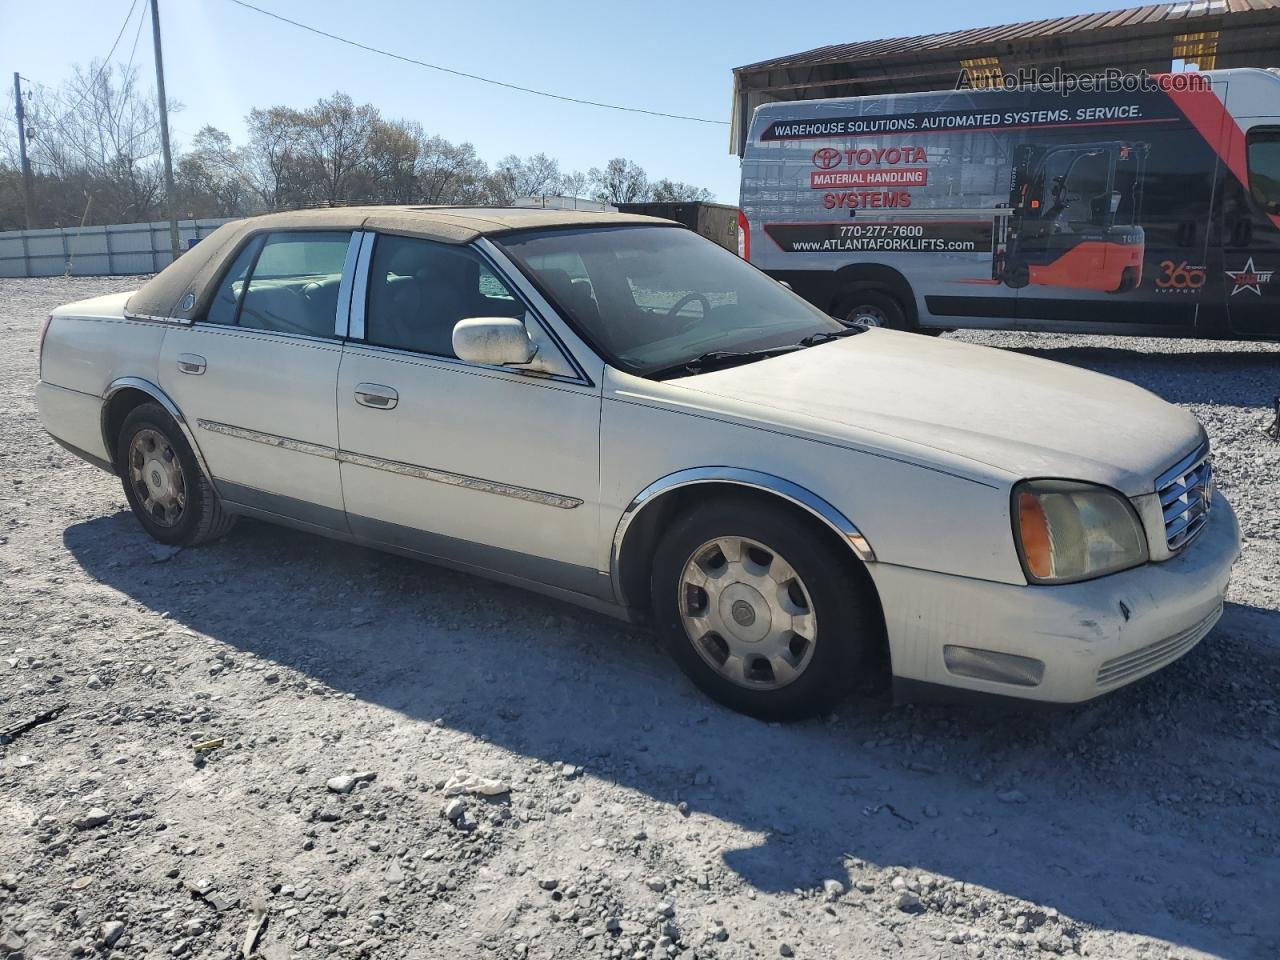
(1033, 529)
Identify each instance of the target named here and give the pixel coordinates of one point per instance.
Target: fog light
(991, 665)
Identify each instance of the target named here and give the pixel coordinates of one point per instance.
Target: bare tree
(391, 165)
(450, 173)
(675, 190)
(574, 184)
(98, 136)
(271, 158)
(211, 179)
(535, 176)
(96, 154)
(621, 181)
(335, 141)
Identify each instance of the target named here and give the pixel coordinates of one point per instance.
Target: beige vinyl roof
(196, 271)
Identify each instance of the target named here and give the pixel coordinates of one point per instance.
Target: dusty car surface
(614, 411)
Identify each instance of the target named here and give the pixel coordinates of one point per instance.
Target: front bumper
(1088, 638)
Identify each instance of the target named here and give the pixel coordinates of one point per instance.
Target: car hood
(1021, 415)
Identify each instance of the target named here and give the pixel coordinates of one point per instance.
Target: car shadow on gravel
(1235, 378)
(1143, 812)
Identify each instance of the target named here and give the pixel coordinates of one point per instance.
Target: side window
(227, 299)
(1264, 168)
(420, 289)
(294, 285)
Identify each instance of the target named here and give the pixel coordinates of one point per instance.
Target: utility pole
(170, 200)
(22, 147)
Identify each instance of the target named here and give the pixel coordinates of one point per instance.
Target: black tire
(849, 627)
(201, 517)
(878, 304)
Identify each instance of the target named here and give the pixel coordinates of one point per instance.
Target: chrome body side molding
(269, 439)
(752, 479)
(160, 397)
(393, 466)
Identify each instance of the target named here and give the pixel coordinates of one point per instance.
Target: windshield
(653, 298)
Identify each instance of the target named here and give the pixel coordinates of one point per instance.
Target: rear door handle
(376, 395)
(191, 363)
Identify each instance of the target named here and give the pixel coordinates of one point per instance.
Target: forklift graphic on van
(1072, 219)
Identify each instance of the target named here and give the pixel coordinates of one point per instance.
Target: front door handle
(191, 363)
(377, 396)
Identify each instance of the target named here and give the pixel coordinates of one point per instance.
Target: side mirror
(496, 341)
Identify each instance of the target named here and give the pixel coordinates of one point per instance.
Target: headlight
(1068, 531)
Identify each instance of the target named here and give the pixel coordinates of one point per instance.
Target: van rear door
(1251, 236)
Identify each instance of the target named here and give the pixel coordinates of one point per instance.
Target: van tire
(871, 304)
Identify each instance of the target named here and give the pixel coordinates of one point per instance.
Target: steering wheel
(680, 304)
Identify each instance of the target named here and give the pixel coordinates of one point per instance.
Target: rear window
(284, 283)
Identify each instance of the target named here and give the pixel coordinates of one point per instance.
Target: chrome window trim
(343, 318)
(433, 474)
(753, 479)
(360, 286)
(489, 255)
(180, 321)
(507, 272)
(252, 332)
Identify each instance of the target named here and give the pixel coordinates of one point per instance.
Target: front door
(486, 467)
(255, 377)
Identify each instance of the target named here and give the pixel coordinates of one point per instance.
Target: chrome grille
(1155, 655)
(1186, 493)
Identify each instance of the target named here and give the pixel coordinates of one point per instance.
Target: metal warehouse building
(1207, 33)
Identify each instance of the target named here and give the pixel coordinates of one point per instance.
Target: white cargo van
(1154, 210)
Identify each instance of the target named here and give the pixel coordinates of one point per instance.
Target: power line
(107, 60)
(133, 52)
(473, 76)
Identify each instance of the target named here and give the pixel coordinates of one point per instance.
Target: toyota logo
(826, 158)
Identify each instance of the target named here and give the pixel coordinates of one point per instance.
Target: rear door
(1251, 237)
(256, 376)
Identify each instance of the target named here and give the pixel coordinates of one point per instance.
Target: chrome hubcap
(156, 477)
(747, 613)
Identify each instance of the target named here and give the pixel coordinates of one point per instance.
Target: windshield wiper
(816, 338)
(719, 359)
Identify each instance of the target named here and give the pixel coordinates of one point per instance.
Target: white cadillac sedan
(614, 411)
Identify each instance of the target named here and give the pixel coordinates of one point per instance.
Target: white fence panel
(117, 249)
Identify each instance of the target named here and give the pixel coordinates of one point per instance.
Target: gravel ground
(407, 762)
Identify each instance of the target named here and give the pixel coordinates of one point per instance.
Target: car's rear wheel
(760, 611)
(168, 492)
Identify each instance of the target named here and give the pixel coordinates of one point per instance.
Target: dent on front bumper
(1088, 638)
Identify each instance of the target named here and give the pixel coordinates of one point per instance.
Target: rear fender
(159, 396)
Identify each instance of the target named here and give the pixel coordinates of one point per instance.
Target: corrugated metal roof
(1133, 17)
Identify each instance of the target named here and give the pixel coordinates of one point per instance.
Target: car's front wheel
(760, 611)
(168, 492)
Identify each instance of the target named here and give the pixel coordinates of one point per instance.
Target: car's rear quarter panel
(90, 345)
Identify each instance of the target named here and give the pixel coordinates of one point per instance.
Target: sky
(674, 56)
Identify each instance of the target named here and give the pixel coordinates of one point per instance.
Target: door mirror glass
(495, 341)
